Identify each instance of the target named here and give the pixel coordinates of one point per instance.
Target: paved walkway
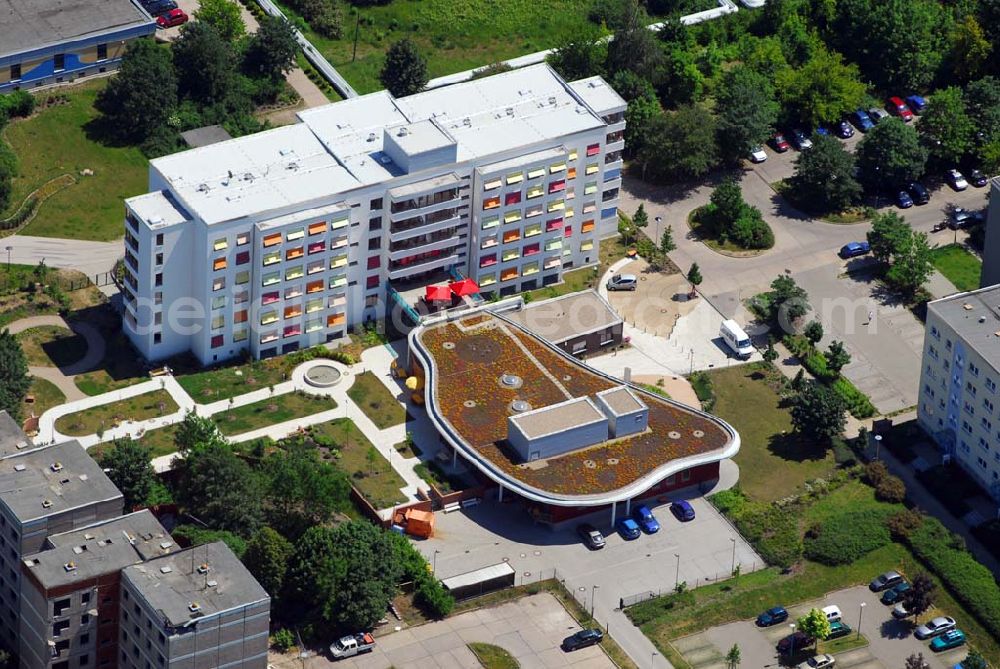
(62, 378)
(89, 257)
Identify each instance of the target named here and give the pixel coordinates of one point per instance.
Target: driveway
(531, 629)
(890, 641)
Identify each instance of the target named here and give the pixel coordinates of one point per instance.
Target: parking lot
(891, 641)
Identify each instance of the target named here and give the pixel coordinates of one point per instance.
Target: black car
(591, 536)
(963, 218)
(582, 639)
(159, 7)
(844, 130)
(918, 192)
(977, 179)
(794, 640)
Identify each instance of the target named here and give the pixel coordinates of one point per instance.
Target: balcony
(426, 244)
(400, 269)
(425, 204)
(423, 225)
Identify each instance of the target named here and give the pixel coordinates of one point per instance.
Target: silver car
(937, 626)
(622, 282)
(818, 662)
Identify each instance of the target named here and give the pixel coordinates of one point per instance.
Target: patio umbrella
(412, 383)
(437, 294)
(464, 287)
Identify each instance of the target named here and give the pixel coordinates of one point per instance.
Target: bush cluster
(891, 489)
(846, 537)
(857, 402)
(283, 640)
(770, 530)
(815, 362)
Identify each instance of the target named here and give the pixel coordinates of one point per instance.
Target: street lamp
(861, 610)
(878, 443)
(677, 572)
(9, 249)
(791, 645)
(435, 564)
(652, 659)
(733, 570)
(593, 591)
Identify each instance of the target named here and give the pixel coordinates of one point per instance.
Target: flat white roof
(158, 209)
(478, 576)
(576, 412)
(598, 94)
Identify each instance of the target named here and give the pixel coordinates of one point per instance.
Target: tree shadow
(785, 209)
(790, 446)
(671, 193)
(101, 130)
(896, 629)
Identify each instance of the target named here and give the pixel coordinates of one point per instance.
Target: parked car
(175, 17)
(963, 218)
(977, 179)
(876, 114)
(582, 639)
(824, 661)
(956, 180)
(592, 537)
(838, 628)
(683, 510)
(903, 200)
(916, 103)
(899, 108)
(918, 192)
(843, 129)
(935, 627)
(794, 640)
(757, 154)
(779, 143)
(351, 645)
(889, 579)
(832, 612)
(899, 611)
(773, 616)
(628, 529)
(159, 7)
(622, 282)
(895, 593)
(854, 249)
(647, 521)
(800, 140)
(948, 640)
(861, 120)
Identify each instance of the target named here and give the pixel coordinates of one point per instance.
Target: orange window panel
(587, 226)
(571, 173)
(292, 312)
(271, 240)
(314, 286)
(317, 228)
(292, 254)
(336, 319)
(240, 316)
(219, 263)
(491, 203)
(511, 236)
(508, 274)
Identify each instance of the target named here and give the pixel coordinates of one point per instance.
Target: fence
(10, 284)
(630, 600)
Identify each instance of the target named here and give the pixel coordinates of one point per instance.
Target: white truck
(351, 645)
(736, 339)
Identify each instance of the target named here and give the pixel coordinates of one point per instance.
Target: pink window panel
(531, 249)
(374, 262)
(316, 247)
(553, 225)
(568, 231)
(593, 149)
(489, 260)
(217, 341)
(512, 198)
(268, 298)
(293, 331)
(557, 186)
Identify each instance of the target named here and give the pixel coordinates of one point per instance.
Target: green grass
(573, 281)
(220, 383)
(61, 139)
(106, 416)
(773, 461)
(844, 643)
(120, 368)
(378, 483)
(271, 411)
(376, 401)
(655, 389)
(46, 394)
(958, 265)
(493, 657)
(52, 346)
(432, 473)
(159, 442)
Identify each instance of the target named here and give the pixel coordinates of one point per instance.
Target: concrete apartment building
(990, 275)
(958, 403)
(196, 608)
(285, 239)
(70, 591)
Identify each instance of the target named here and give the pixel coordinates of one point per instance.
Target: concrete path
(62, 378)
(89, 257)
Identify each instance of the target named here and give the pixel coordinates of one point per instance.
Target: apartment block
(990, 275)
(958, 403)
(70, 591)
(277, 241)
(196, 608)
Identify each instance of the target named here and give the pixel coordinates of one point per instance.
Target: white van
(832, 613)
(736, 339)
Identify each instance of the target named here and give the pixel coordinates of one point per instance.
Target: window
(374, 262)
(272, 239)
(588, 226)
(558, 167)
(493, 184)
(219, 264)
(217, 302)
(374, 243)
(372, 282)
(220, 244)
(535, 191)
(572, 155)
(218, 322)
(242, 258)
(243, 239)
(571, 173)
(490, 222)
(556, 186)
(336, 319)
(314, 286)
(375, 223)
(317, 228)
(242, 277)
(568, 231)
(512, 198)
(59, 62)
(159, 279)
(515, 178)
(592, 169)
(270, 279)
(375, 204)
(240, 335)
(295, 253)
(15, 72)
(219, 283)
(85, 598)
(85, 658)
(973, 370)
(529, 268)
(294, 273)
(512, 217)
(532, 230)
(268, 317)
(556, 205)
(293, 311)
(314, 267)
(491, 203)
(240, 316)
(59, 606)
(593, 150)
(537, 172)
(295, 235)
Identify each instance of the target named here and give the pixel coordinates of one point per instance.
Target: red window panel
(218, 341)
(593, 149)
(489, 260)
(531, 249)
(293, 331)
(557, 186)
(374, 262)
(316, 247)
(268, 298)
(553, 225)
(512, 198)
(372, 282)
(242, 258)
(568, 231)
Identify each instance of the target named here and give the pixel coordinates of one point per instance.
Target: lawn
(52, 346)
(958, 265)
(21, 298)
(493, 657)
(573, 281)
(773, 462)
(271, 411)
(220, 383)
(61, 139)
(106, 416)
(120, 368)
(375, 479)
(159, 442)
(46, 394)
(376, 401)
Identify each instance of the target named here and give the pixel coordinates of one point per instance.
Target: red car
(899, 108)
(174, 17)
(779, 143)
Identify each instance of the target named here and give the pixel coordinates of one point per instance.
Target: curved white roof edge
(484, 465)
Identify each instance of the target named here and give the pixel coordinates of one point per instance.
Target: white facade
(285, 239)
(959, 405)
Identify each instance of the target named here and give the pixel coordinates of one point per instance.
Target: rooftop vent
(88, 536)
(292, 166)
(247, 176)
(967, 306)
(403, 132)
(19, 468)
(385, 160)
(104, 542)
(212, 584)
(194, 607)
(166, 544)
(30, 563)
(70, 566)
(166, 569)
(56, 466)
(592, 84)
(63, 481)
(284, 152)
(84, 477)
(21, 445)
(79, 549)
(203, 568)
(203, 188)
(509, 111)
(156, 220)
(552, 100)
(371, 137)
(982, 319)
(467, 122)
(46, 503)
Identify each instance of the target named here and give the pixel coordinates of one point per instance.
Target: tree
(890, 155)
(887, 235)
(920, 597)
(727, 204)
(694, 276)
(970, 50)
(822, 90)
(682, 145)
(219, 488)
(974, 660)
(747, 111)
(667, 240)
(272, 49)
(982, 100)
(302, 490)
(128, 465)
(142, 95)
(195, 430)
(789, 302)
(682, 80)
(911, 264)
(640, 119)
(405, 70)
(945, 127)
(634, 46)
(916, 661)
(818, 413)
(770, 355)
(8, 170)
(824, 177)
(813, 332)
(14, 379)
(205, 64)
(266, 557)
(814, 625)
(641, 219)
(733, 657)
(224, 16)
(750, 231)
(579, 57)
(836, 356)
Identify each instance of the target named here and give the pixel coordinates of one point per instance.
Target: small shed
(419, 523)
(480, 581)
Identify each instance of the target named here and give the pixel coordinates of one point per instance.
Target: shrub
(891, 489)
(195, 536)
(283, 640)
(903, 523)
(846, 537)
(772, 534)
(433, 598)
(857, 402)
(875, 472)
(652, 609)
(730, 502)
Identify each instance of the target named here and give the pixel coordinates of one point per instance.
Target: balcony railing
(424, 201)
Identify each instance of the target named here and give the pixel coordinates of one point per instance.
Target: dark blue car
(772, 616)
(862, 120)
(916, 103)
(646, 519)
(854, 249)
(683, 510)
(627, 528)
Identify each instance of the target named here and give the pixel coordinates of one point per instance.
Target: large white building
(285, 239)
(959, 405)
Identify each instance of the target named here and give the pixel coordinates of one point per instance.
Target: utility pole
(357, 29)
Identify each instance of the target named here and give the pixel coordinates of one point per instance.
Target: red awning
(437, 293)
(464, 287)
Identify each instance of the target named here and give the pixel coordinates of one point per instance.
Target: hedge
(813, 360)
(847, 537)
(857, 402)
(969, 582)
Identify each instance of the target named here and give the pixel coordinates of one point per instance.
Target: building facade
(990, 275)
(958, 403)
(51, 41)
(269, 243)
